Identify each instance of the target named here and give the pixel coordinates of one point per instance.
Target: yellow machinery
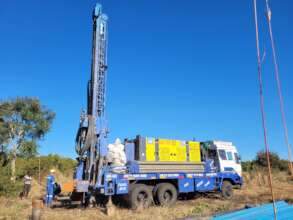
(166, 150)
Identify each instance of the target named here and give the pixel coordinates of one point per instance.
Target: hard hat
(52, 171)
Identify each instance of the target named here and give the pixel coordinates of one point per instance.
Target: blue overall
(50, 189)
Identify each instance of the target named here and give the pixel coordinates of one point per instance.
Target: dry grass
(255, 191)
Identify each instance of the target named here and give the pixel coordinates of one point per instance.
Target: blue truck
(150, 174)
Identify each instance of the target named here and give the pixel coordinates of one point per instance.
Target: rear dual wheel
(140, 196)
(165, 194)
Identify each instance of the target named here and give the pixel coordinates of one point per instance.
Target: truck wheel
(166, 194)
(140, 196)
(155, 191)
(227, 190)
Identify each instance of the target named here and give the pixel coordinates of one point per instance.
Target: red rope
(263, 110)
(279, 87)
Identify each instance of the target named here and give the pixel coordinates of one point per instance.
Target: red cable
(279, 87)
(263, 110)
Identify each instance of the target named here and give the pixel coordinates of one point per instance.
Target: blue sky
(177, 69)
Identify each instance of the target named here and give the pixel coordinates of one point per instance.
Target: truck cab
(224, 154)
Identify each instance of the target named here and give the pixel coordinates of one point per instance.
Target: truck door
(222, 159)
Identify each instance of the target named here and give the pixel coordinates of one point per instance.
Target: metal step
(63, 198)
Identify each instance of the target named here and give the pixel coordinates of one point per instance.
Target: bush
(247, 166)
(31, 166)
(275, 161)
(260, 161)
(7, 188)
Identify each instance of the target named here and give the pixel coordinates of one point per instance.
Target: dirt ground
(255, 191)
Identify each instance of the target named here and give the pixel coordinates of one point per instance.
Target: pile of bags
(116, 155)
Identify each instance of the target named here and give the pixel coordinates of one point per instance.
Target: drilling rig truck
(156, 171)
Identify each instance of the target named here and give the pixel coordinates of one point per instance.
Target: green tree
(276, 162)
(23, 121)
(261, 159)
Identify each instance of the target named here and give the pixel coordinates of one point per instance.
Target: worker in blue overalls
(50, 187)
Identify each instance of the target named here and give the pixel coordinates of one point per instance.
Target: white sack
(116, 154)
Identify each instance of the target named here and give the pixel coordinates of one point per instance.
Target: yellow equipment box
(150, 149)
(166, 150)
(194, 151)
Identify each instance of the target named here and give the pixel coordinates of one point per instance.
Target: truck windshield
(229, 155)
(222, 154)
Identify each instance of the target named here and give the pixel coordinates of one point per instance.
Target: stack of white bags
(116, 154)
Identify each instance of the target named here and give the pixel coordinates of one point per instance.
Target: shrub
(260, 161)
(31, 166)
(7, 188)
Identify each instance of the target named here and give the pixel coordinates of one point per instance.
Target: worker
(27, 181)
(50, 187)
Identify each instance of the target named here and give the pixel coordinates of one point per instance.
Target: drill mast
(92, 133)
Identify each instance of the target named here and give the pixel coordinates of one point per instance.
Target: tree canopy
(23, 121)
(261, 162)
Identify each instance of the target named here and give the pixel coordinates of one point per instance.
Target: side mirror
(239, 159)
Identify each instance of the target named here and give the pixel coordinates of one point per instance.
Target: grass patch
(200, 209)
(221, 208)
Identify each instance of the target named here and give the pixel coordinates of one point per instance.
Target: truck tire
(227, 190)
(155, 190)
(166, 194)
(140, 195)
